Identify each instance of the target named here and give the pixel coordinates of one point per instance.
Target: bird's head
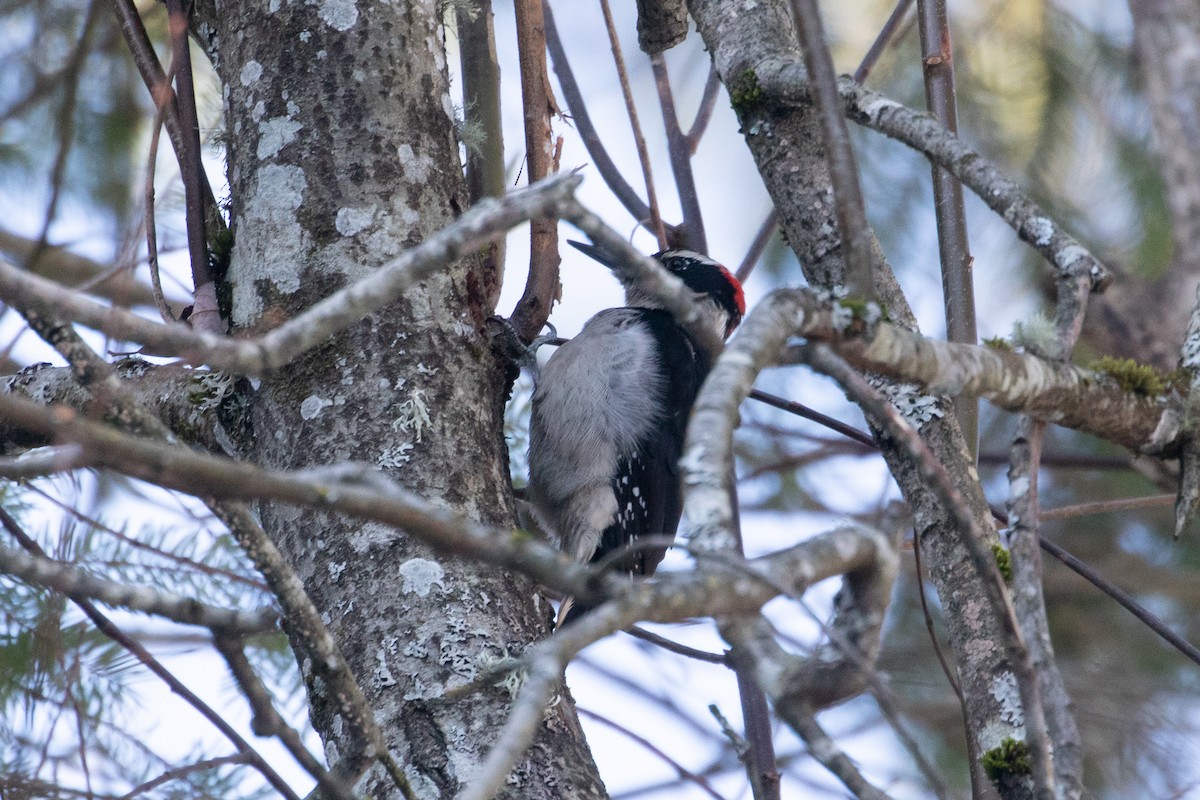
(726, 303)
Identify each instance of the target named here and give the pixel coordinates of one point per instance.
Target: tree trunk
(341, 153)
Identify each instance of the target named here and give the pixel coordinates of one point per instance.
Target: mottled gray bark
(785, 142)
(342, 153)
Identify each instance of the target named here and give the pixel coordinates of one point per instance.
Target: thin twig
(933, 775)
(153, 76)
(680, 154)
(268, 722)
(306, 626)
(1154, 623)
(684, 773)
(188, 563)
(851, 653)
(843, 171)
(308, 633)
(66, 135)
(106, 626)
(708, 102)
(882, 40)
(1056, 752)
(954, 249)
(786, 82)
(1105, 507)
(761, 766)
(970, 534)
(344, 307)
(1066, 460)
(801, 410)
(182, 772)
(161, 99)
(40, 462)
(761, 240)
(676, 647)
(72, 269)
(1029, 602)
(577, 106)
(629, 682)
(933, 638)
(80, 731)
(1124, 599)
(541, 680)
(656, 223)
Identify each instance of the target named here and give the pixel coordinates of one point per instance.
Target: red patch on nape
(739, 298)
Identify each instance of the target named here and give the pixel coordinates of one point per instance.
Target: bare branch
(933, 638)
(1154, 623)
(181, 772)
(801, 410)
(1074, 397)
(541, 678)
(309, 633)
(676, 647)
(267, 722)
(160, 301)
(1030, 605)
(542, 287)
(935, 475)
(65, 128)
(1082, 400)
(481, 112)
(189, 471)
(307, 627)
(63, 266)
(746, 586)
(825, 750)
(669, 598)
(1105, 507)
(279, 347)
(77, 584)
(190, 164)
(39, 462)
(153, 76)
(787, 82)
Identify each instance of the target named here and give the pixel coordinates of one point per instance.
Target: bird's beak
(591, 251)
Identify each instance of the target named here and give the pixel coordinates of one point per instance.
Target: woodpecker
(610, 410)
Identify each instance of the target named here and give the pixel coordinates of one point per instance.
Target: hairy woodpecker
(609, 415)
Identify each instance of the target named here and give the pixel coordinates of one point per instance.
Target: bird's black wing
(646, 484)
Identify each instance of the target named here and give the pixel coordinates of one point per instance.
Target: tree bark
(342, 153)
(785, 142)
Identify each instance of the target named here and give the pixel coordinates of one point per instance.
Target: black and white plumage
(610, 412)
